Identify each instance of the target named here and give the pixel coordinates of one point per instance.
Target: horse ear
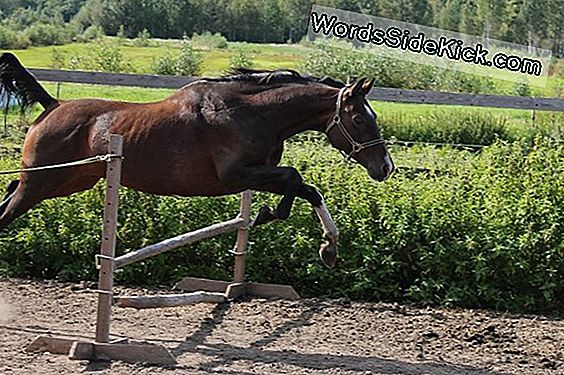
(356, 88)
(367, 87)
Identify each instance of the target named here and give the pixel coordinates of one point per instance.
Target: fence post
(242, 238)
(107, 251)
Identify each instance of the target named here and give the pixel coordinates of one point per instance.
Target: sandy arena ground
(280, 337)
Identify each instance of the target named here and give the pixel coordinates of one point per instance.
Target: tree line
(530, 22)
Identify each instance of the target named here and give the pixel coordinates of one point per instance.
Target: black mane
(273, 77)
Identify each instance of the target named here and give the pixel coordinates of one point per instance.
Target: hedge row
(489, 233)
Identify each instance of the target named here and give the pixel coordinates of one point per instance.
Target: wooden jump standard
(201, 290)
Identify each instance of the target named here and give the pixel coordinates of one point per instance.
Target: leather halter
(356, 146)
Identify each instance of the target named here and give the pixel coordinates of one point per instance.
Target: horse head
(354, 130)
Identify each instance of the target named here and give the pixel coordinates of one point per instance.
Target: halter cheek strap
(356, 147)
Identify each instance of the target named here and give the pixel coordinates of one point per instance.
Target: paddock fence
(383, 94)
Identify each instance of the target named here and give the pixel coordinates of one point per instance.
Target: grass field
(215, 61)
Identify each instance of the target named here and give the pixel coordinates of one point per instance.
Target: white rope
(90, 160)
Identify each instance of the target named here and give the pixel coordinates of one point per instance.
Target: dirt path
(281, 337)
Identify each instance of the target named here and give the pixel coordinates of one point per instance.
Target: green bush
(103, 57)
(165, 65)
(240, 60)
(188, 63)
(208, 40)
(143, 39)
(93, 32)
(108, 57)
(58, 59)
(446, 126)
(42, 34)
(487, 233)
(10, 39)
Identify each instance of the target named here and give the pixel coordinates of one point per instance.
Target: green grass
(68, 91)
(215, 61)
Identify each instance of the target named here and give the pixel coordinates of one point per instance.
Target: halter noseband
(357, 147)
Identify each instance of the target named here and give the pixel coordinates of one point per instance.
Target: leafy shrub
(58, 59)
(522, 89)
(489, 233)
(8, 38)
(104, 57)
(121, 34)
(143, 39)
(188, 63)
(240, 60)
(108, 57)
(209, 40)
(165, 65)
(42, 34)
(93, 32)
(446, 126)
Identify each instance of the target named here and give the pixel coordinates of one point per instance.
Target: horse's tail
(16, 83)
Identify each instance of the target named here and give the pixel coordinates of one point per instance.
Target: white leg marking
(330, 230)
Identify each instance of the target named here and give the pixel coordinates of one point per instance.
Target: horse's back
(176, 146)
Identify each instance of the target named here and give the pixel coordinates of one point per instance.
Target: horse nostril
(386, 169)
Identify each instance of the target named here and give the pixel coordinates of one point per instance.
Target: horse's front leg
(328, 250)
(285, 181)
(288, 182)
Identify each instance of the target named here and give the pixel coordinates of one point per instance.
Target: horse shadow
(222, 355)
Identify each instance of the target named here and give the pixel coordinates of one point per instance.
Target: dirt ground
(280, 337)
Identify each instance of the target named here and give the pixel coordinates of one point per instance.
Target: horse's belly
(165, 178)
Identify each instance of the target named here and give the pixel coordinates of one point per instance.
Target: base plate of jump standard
(236, 290)
(121, 349)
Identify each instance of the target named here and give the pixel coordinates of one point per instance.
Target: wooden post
(107, 252)
(242, 238)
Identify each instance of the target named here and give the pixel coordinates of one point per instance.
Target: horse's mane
(273, 77)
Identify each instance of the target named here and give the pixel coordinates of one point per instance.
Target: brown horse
(213, 137)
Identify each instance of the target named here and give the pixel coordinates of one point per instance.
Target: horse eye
(358, 119)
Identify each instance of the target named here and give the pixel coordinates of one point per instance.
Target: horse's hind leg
(18, 202)
(32, 191)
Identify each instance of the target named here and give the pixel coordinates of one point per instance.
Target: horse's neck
(294, 109)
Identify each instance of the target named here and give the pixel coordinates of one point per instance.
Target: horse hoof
(264, 216)
(328, 253)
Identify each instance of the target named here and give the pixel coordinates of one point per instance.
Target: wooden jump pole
(178, 241)
(107, 251)
(170, 300)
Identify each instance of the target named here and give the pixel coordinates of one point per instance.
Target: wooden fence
(378, 93)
